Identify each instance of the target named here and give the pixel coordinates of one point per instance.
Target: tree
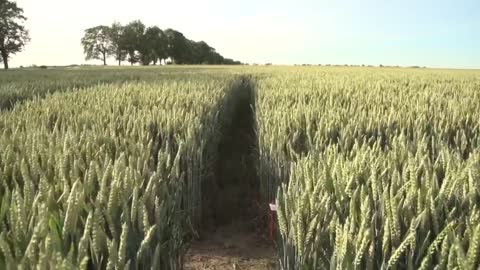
(97, 43)
(133, 36)
(13, 35)
(202, 53)
(153, 47)
(116, 35)
(177, 47)
(160, 46)
(146, 48)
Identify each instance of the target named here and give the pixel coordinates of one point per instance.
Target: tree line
(137, 43)
(133, 42)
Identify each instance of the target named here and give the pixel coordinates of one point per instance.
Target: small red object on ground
(272, 212)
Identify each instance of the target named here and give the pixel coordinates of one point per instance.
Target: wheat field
(370, 168)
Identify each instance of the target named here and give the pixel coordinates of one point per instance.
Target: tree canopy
(138, 43)
(13, 35)
(133, 36)
(97, 43)
(118, 42)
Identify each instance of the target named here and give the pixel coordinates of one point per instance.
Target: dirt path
(232, 233)
(232, 246)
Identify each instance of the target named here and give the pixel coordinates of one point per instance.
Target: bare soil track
(233, 233)
(232, 246)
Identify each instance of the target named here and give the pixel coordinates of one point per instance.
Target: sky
(433, 33)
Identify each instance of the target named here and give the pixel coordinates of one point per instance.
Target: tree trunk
(119, 62)
(5, 59)
(104, 54)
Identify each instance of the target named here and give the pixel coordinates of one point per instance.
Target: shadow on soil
(235, 177)
(232, 235)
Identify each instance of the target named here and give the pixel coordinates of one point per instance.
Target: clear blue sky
(441, 33)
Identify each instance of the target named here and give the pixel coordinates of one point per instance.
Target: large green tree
(13, 35)
(146, 48)
(153, 47)
(119, 43)
(134, 36)
(160, 46)
(178, 46)
(201, 52)
(97, 43)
